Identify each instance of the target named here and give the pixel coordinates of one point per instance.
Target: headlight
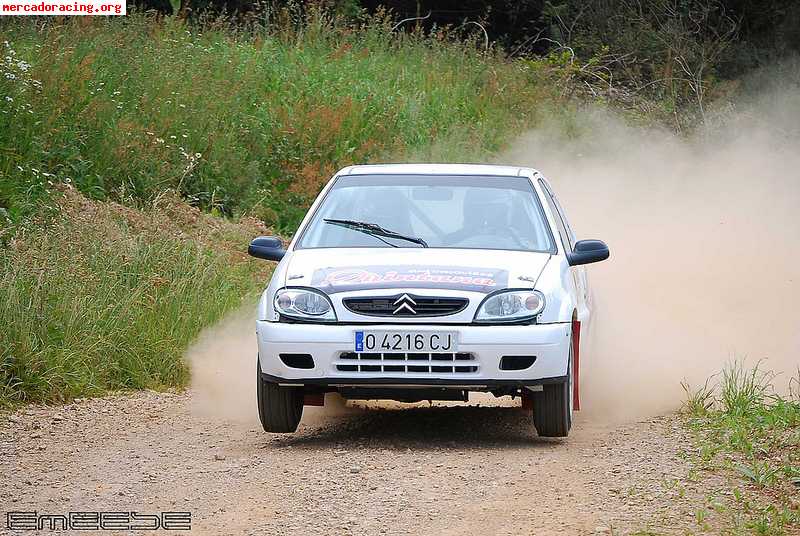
(304, 303)
(510, 306)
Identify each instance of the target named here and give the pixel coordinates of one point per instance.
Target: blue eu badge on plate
(359, 341)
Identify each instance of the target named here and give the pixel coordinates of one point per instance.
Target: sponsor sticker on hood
(332, 280)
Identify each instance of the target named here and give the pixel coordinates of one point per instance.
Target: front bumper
(327, 343)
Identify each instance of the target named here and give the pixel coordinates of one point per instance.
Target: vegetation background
(138, 155)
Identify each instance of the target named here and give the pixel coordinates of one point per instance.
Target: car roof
(439, 169)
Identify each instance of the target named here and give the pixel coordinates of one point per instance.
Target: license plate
(406, 341)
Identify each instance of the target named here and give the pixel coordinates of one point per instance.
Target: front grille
(400, 363)
(404, 305)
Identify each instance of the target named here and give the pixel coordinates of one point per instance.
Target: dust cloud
(704, 235)
(223, 364)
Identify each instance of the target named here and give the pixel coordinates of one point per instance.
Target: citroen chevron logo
(404, 302)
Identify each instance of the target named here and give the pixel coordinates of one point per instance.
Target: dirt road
(440, 470)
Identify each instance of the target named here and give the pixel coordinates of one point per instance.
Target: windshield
(467, 212)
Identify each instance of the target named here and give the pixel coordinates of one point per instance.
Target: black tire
(552, 407)
(279, 408)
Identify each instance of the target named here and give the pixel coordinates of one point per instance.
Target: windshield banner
(332, 280)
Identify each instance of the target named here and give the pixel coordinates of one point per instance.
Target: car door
(568, 241)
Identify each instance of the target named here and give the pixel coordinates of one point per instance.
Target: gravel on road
(457, 469)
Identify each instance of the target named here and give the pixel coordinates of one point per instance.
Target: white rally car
(425, 282)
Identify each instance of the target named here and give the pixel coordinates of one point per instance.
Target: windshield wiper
(375, 230)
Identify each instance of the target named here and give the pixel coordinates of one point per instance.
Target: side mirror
(587, 252)
(266, 247)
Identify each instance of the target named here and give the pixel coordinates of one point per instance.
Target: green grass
(97, 297)
(747, 432)
(239, 121)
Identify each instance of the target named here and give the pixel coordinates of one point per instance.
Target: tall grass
(95, 296)
(743, 390)
(238, 121)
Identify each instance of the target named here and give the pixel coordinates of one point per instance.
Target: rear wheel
(552, 407)
(279, 408)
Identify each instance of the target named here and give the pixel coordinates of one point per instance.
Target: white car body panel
(565, 289)
(548, 342)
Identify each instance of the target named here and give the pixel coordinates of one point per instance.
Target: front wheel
(279, 408)
(552, 407)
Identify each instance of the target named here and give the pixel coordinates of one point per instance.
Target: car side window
(563, 227)
(570, 234)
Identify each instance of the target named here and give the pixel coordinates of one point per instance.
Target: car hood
(335, 270)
